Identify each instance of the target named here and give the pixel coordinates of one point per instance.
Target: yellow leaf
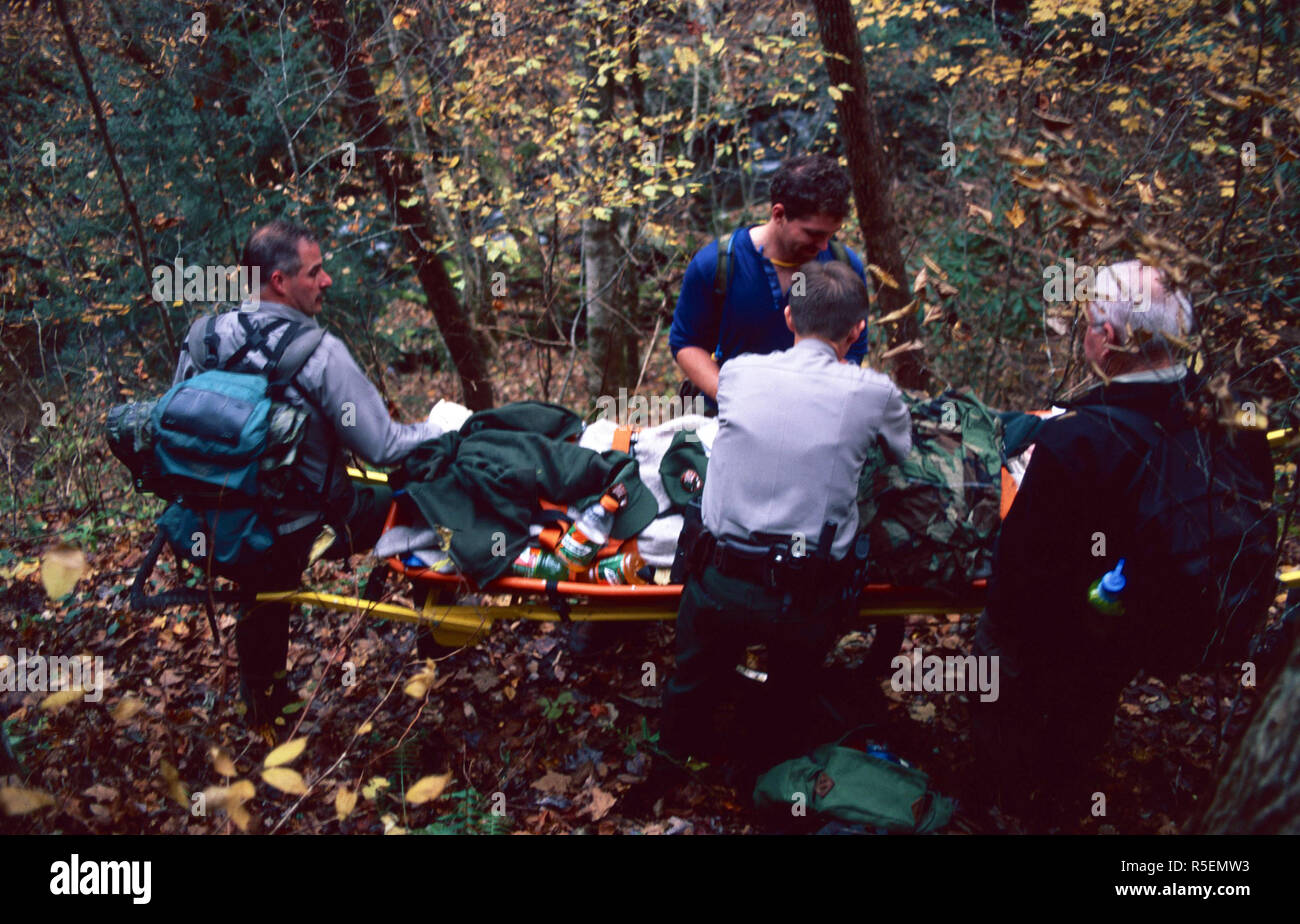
(835, 93)
(427, 789)
(175, 788)
(1016, 215)
(15, 800)
(221, 761)
(285, 780)
(345, 800)
(1232, 102)
(418, 686)
(20, 570)
(903, 348)
(901, 313)
(127, 708)
(231, 799)
(366, 727)
(974, 209)
(61, 698)
(1020, 159)
(239, 815)
(883, 276)
(286, 753)
(679, 191)
(391, 826)
(61, 568)
(371, 789)
(1118, 105)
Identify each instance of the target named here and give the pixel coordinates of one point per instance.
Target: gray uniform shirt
(336, 388)
(793, 432)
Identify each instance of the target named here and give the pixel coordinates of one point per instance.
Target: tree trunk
(1260, 792)
(61, 10)
(400, 181)
(611, 333)
(870, 178)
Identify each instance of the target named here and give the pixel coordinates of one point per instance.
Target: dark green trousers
(717, 619)
(262, 633)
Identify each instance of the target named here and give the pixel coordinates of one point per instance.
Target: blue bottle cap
(1112, 582)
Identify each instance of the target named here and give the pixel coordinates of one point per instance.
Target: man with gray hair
(1128, 473)
(1136, 325)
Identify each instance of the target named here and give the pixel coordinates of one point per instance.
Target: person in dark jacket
(346, 411)
(1061, 677)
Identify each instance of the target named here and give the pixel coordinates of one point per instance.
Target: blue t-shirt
(753, 315)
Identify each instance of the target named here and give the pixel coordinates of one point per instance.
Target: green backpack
(855, 787)
(221, 445)
(933, 519)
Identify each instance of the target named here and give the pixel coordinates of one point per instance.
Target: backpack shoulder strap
(722, 277)
(295, 348)
(202, 342)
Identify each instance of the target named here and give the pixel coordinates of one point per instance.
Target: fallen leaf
(15, 800)
(285, 753)
(418, 686)
(371, 789)
(127, 708)
(391, 826)
(61, 568)
(285, 780)
(1016, 216)
(922, 712)
(557, 783)
(231, 800)
(601, 803)
(100, 793)
(221, 761)
(345, 800)
(984, 213)
(175, 788)
(427, 789)
(61, 698)
(22, 569)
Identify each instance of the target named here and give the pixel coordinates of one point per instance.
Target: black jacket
(1073, 495)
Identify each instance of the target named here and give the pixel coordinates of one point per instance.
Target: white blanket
(657, 543)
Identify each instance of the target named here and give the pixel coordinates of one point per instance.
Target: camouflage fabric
(933, 519)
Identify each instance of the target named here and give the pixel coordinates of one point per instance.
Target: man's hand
(700, 368)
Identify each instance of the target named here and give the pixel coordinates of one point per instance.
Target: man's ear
(778, 211)
(789, 320)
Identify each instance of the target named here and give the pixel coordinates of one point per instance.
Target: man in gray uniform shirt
(345, 410)
(780, 518)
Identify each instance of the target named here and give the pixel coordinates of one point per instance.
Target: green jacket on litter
(483, 482)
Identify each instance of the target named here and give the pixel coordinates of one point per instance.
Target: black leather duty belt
(776, 567)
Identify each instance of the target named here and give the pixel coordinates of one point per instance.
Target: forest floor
(566, 740)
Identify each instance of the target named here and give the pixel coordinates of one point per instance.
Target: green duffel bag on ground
(837, 783)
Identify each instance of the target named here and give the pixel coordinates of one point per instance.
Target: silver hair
(1131, 296)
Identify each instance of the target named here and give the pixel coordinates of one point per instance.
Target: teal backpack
(837, 783)
(221, 445)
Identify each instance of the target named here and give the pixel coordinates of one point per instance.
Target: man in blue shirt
(810, 200)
